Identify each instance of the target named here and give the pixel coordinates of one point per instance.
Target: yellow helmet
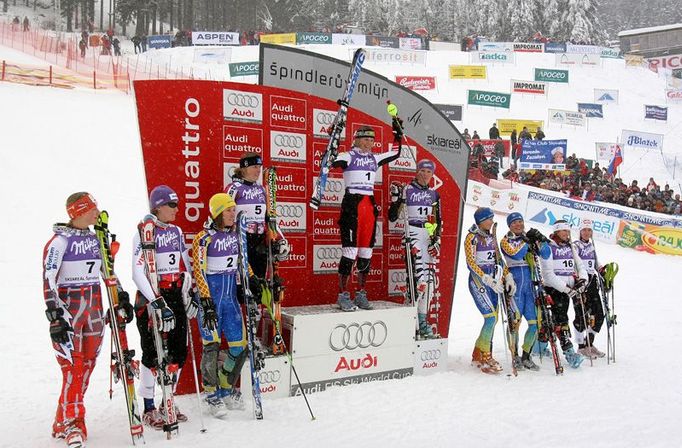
(220, 202)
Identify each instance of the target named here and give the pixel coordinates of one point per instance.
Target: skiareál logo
(545, 217)
(606, 97)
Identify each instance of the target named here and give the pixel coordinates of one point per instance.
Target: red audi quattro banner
(417, 82)
(193, 139)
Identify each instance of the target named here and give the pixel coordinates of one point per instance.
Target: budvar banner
(543, 155)
(391, 56)
(606, 96)
(555, 47)
(494, 57)
(243, 69)
(467, 71)
(644, 140)
(591, 110)
(551, 75)
(282, 38)
(578, 59)
(452, 112)
(528, 47)
(417, 82)
(495, 46)
(673, 95)
(490, 146)
(159, 41)
(529, 87)
(569, 117)
(431, 134)
(490, 99)
(507, 125)
(656, 113)
(313, 38)
(606, 151)
(214, 38)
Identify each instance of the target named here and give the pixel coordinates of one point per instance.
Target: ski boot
(361, 300)
(586, 352)
(425, 331)
(233, 400)
(528, 363)
(74, 438)
(541, 349)
(153, 419)
(597, 353)
(216, 406)
(572, 358)
(178, 415)
(344, 302)
(485, 362)
(517, 363)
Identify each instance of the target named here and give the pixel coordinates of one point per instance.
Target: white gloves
(510, 284)
(493, 284)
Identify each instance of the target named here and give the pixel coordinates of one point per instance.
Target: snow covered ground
(56, 142)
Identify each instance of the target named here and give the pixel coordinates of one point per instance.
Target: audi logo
(325, 118)
(355, 335)
(430, 355)
(289, 211)
(398, 276)
(241, 99)
(328, 253)
(288, 141)
(333, 186)
(269, 376)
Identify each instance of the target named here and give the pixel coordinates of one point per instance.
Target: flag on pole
(617, 160)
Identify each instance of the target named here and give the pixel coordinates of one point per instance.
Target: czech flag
(617, 160)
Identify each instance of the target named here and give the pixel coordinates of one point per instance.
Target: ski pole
(196, 375)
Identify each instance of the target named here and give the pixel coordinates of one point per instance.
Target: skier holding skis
(593, 308)
(359, 211)
(215, 252)
(486, 283)
(515, 246)
(425, 226)
(71, 269)
(172, 307)
(559, 269)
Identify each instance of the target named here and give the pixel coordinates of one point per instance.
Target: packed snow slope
(57, 142)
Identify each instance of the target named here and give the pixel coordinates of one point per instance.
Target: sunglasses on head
(172, 204)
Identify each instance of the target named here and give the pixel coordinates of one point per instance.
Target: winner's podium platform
(330, 348)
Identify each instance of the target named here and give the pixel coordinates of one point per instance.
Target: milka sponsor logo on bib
(167, 239)
(364, 162)
(253, 193)
(225, 244)
(420, 196)
(84, 247)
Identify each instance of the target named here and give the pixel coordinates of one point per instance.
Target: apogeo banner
(644, 140)
(313, 38)
(500, 200)
(551, 75)
(543, 155)
(529, 87)
(214, 38)
(490, 99)
(244, 69)
(417, 82)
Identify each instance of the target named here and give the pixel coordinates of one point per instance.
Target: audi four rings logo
(355, 335)
(325, 118)
(269, 376)
(430, 355)
(243, 100)
(288, 141)
(398, 277)
(328, 253)
(333, 186)
(289, 211)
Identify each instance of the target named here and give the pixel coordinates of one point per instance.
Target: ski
(582, 299)
(166, 372)
(256, 356)
(609, 317)
(272, 275)
(337, 128)
(123, 366)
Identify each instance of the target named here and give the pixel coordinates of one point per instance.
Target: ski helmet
(162, 195)
(585, 224)
(516, 216)
(79, 204)
(219, 203)
(365, 132)
(427, 164)
(483, 214)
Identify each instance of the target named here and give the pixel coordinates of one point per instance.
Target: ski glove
(434, 248)
(124, 310)
(281, 249)
(580, 285)
(210, 317)
(396, 191)
(493, 284)
(165, 319)
(535, 236)
(191, 308)
(188, 295)
(59, 327)
(397, 130)
(510, 285)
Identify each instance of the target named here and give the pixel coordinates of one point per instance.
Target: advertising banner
(159, 41)
(348, 39)
(674, 95)
(495, 46)
(507, 125)
(490, 145)
(494, 57)
(244, 69)
(529, 87)
(490, 99)
(528, 47)
(555, 47)
(551, 75)
(578, 59)
(650, 238)
(411, 43)
(313, 38)
(214, 38)
(671, 62)
(417, 82)
(610, 53)
(606, 151)
(656, 112)
(634, 60)
(543, 155)
(606, 96)
(467, 71)
(583, 49)
(591, 110)
(391, 56)
(453, 112)
(569, 117)
(644, 140)
(500, 200)
(212, 55)
(283, 38)
(382, 41)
